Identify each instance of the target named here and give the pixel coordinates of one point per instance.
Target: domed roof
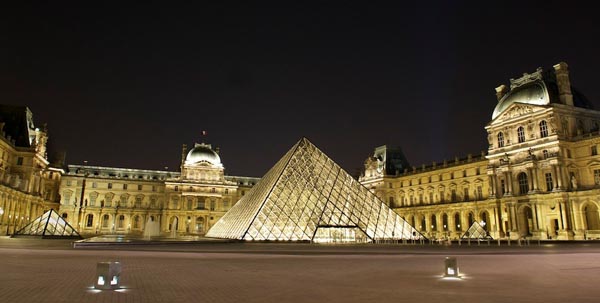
(202, 153)
(535, 93)
(538, 91)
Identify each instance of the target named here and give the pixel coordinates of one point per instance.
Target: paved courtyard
(53, 271)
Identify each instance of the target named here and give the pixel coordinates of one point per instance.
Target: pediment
(516, 110)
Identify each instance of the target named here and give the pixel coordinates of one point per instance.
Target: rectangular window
(212, 205)
(139, 186)
(138, 202)
(453, 195)
(502, 187)
(466, 194)
(597, 176)
(109, 185)
(90, 221)
(124, 186)
(94, 185)
(549, 184)
(442, 196)
(420, 198)
(20, 161)
(479, 193)
(153, 187)
(594, 150)
(430, 197)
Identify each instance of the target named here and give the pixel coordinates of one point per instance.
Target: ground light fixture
(108, 275)
(451, 268)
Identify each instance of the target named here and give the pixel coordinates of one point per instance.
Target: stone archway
(525, 221)
(485, 218)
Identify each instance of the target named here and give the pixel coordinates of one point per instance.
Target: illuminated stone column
(535, 179)
(534, 217)
(554, 178)
(492, 182)
(559, 178)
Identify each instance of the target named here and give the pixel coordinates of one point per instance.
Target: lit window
(543, 129)
(523, 183)
(500, 139)
(521, 134)
(90, 220)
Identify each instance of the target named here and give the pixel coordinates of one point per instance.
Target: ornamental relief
(516, 111)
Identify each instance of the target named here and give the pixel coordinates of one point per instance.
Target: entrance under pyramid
(308, 197)
(48, 225)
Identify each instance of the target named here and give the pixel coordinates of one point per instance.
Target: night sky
(125, 86)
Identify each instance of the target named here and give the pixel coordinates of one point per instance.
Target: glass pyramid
(308, 197)
(476, 231)
(48, 225)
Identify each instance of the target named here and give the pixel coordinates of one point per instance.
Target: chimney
(501, 91)
(183, 153)
(564, 84)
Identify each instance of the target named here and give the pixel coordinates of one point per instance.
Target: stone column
(492, 190)
(563, 215)
(509, 183)
(559, 178)
(535, 180)
(535, 217)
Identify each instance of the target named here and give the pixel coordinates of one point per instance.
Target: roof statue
(48, 225)
(306, 196)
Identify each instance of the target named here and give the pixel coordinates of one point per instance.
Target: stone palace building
(540, 178)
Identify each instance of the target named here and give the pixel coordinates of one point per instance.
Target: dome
(535, 93)
(202, 153)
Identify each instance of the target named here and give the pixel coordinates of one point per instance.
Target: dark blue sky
(126, 85)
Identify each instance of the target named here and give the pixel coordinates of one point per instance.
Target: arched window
(121, 221)
(500, 139)
(543, 129)
(521, 134)
(523, 183)
(445, 222)
(433, 223)
(90, 221)
(391, 201)
(592, 219)
(471, 220)
(105, 221)
(457, 221)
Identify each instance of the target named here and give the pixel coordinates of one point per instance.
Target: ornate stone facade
(28, 183)
(127, 201)
(540, 178)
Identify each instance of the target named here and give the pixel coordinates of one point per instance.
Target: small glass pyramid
(308, 197)
(476, 231)
(48, 225)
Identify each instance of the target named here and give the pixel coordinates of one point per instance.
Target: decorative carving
(516, 111)
(526, 78)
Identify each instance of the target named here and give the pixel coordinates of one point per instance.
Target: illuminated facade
(151, 202)
(308, 197)
(28, 183)
(540, 178)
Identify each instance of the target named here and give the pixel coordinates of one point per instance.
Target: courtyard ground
(34, 270)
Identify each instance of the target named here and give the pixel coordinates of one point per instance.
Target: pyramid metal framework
(308, 197)
(48, 225)
(476, 231)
